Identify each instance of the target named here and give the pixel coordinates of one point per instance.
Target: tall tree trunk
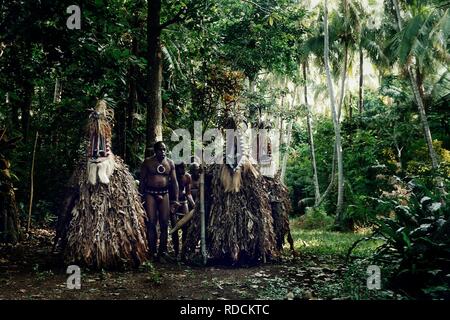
(130, 143)
(337, 129)
(26, 108)
(28, 90)
(281, 129)
(57, 93)
(350, 109)
(9, 214)
(311, 140)
(361, 79)
(343, 78)
(423, 119)
(288, 138)
(285, 156)
(30, 205)
(154, 103)
(283, 84)
(332, 178)
(344, 70)
(419, 81)
(252, 85)
(202, 215)
(419, 101)
(14, 112)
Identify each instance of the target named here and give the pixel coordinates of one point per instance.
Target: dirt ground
(30, 271)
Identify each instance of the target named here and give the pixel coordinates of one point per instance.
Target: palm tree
(345, 35)
(419, 45)
(337, 128)
(311, 138)
(346, 27)
(304, 55)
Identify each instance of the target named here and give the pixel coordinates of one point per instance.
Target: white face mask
(101, 170)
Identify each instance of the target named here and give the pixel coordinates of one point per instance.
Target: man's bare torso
(157, 173)
(183, 184)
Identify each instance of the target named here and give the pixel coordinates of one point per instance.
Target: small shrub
(315, 218)
(153, 275)
(41, 275)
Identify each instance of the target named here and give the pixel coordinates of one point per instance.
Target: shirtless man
(185, 201)
(195, 176)
(157, 174)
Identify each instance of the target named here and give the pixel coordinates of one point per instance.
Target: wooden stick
(32, 183)
(188, 216)
(202, 213)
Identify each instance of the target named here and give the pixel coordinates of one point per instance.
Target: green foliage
(276, 288)
(330, 243)
(420, 165)
(364, 209)
(41, 275)
(353, 285)
(263, 36)
(417, 242)
(385, 140)
(153, 275)
(43, 213)
(422, 37)
(299, 177)
(331, 247)
(315, 218)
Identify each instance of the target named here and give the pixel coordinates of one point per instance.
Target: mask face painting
(100, 158)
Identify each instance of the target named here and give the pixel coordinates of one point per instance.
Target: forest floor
(29, 270)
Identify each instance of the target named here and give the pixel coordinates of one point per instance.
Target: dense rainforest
(359, 91)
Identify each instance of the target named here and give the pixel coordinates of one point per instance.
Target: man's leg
(150, 208)
(164, 216)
